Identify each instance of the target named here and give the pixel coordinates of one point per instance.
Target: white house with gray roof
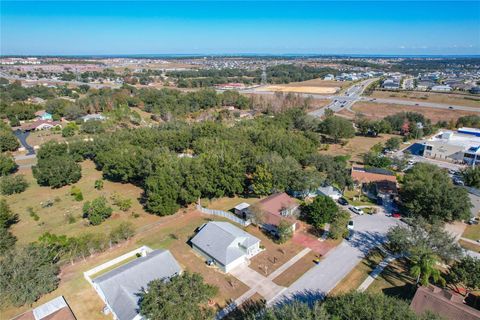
(225, 245)
(120, 288)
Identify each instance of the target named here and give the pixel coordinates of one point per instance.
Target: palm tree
(423, 268)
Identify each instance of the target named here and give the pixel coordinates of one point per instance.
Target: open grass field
(395, 281)
(227, 204)
(373, 110)
(356, 146)
(468, 100)
(361, 271)
(472, 232)
(56, 218)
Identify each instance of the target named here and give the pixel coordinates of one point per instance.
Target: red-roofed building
(446, 303)
(278, 207)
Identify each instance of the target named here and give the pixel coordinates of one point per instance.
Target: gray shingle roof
(221, 241)
(122, 285)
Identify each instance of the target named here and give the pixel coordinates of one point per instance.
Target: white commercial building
(461, 146)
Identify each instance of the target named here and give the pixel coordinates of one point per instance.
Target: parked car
(342, 201)
(350, 225)
(458, 181)
(472, 221)
(357, 210)
(396, 215)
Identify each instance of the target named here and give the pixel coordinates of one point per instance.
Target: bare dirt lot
(316, 86)
(379, 111)
(467, 100)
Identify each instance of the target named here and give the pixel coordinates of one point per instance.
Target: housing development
(341, 182)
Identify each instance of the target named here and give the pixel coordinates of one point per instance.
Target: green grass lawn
(356, 198)
(361, 271)
(395, 281)
(65, 216)
(469, 246)
(472, 232)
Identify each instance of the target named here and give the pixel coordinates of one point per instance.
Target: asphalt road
(370, 231)
(421, 104)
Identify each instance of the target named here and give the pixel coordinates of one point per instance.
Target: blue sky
(340, 27)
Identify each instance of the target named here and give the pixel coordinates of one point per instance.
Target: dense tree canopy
(337, 128)
(429, 192)
(57, 171)
(7, 164)
(183, 297)
(322, 210)
(465, 273)
(350, 306)
(27, 275)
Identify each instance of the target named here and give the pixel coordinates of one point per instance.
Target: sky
(239, 27)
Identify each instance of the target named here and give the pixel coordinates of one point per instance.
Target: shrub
(76, 193)
(97, 210)
(57, 171)
(13, 184)
(121, 203)
(99, 184)
(7, 165)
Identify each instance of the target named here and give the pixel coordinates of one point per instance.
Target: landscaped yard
(395, 281)
(361, 271)
(65, 215)
(356, 198)
(274, 254)
(290, 275)
(472, 232)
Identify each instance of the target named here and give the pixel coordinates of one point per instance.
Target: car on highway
(356, 210)
(450, 107)
(342, 201)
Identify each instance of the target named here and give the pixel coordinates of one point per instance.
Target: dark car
(342, 201)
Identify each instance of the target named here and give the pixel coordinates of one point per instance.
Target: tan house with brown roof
(446, 303)
(278, 207)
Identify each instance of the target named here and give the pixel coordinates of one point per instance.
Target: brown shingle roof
(272, 207)
(363, 176)
(445, 303)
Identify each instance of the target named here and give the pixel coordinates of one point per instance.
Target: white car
(357, 210)
(350, 225)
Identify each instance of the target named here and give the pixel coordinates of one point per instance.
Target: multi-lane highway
(346, 100)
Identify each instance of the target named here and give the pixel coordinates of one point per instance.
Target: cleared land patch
(315, 86)
(373, 110)
(467, 100)
(356, 146)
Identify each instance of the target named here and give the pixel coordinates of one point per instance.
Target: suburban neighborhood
(229, 160)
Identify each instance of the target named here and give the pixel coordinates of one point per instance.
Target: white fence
(142, 250)
(225, 214)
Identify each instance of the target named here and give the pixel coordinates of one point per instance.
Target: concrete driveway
(370, 231)
(264, 286)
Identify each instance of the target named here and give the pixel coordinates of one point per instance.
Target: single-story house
(39, 125)
(442, 88)
(55, 309)
(384, 181)
(278, 207)
(225, 245)
(120, 287)
(43, 115)
(330, 191)
(94, 116)
(445, 303)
